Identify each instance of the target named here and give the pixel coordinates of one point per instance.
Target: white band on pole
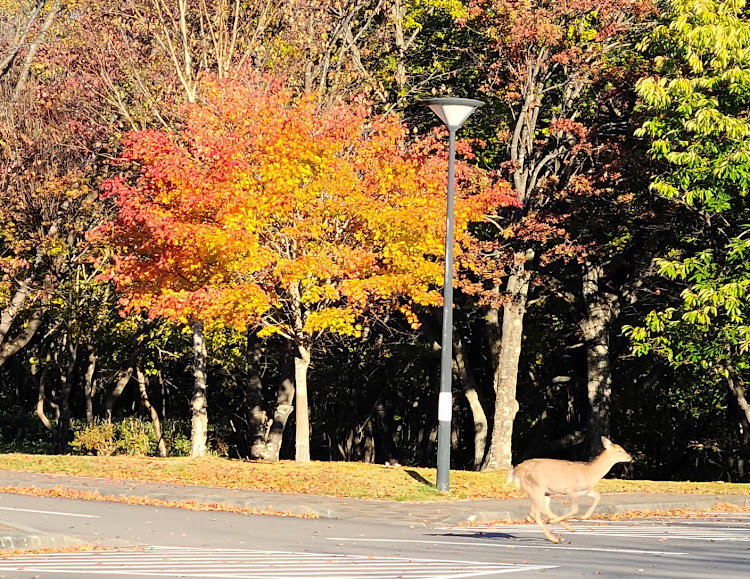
(445, 406)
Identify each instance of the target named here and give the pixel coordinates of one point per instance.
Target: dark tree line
(609, 301)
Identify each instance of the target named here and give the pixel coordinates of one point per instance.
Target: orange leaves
(261, 192)
(135, 500)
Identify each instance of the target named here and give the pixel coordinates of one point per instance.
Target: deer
(540, 477)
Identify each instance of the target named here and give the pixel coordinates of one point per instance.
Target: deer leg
(547, 510)
(567, 526)
(573, 511)
(542, 506)
(538, 520)
(539, 502)
(597, 497)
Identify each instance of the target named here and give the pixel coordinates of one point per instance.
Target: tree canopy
(219, 201)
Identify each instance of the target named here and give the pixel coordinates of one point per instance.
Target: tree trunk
(122, 381)
(20, 39)
(258, 418)
(160, 443)
(468, 385)
(384, 430)
(302, 435)
(506, 372)
(284, 407)
(301, 364)
(39, 380)
(309, 65)
(199, 421)
(11, 311)
(33, 48)
(737, 388)
(741, 462)
(67, 374)
(9, 347)
(13, 346)
(601, 310)
(368, 452)
(174, 38)
(88, 388)
(399, 14)
(284, 404)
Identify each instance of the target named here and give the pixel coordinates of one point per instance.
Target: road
(145, 541)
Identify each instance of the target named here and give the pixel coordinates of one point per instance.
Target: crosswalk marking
(494, 545)
(713, 529)
(241, 564)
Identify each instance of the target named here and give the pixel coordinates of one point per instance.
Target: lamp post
(453, 112)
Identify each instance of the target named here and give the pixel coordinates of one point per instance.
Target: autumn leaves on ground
(338, 479)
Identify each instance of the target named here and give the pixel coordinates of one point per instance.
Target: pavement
(449, 512)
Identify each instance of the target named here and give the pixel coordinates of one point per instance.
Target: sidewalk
(373, 511)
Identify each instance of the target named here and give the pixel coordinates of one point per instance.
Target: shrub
(178, 443)
(131, 436)
(136, 437)
(98, 439)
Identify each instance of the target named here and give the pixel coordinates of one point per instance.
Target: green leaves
(699, 126)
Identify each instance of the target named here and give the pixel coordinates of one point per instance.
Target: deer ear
(606, 442)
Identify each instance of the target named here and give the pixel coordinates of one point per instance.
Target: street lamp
(453, 112)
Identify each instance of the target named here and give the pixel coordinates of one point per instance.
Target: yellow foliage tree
(268, 211)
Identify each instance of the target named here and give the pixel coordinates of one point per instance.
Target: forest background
(222, 224)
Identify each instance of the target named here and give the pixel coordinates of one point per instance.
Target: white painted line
(249, 564)
(636, 531)
(49, 512)
(511, 546)
(709, 523)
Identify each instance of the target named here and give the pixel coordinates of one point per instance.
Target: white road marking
(495, 545)
(737, 520)
(247, 564)
(49, 512)
(685, 530)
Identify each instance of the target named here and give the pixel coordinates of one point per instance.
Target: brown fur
(541, 477)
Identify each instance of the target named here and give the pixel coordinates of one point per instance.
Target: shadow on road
(480, 535)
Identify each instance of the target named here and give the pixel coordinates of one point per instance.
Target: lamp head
(453, 111)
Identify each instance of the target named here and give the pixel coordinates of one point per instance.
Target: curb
(32, 542)
(690, 502)
(24, 539)
(739, 500)
(14, 536)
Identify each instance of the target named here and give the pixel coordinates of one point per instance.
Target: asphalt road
(145, 541)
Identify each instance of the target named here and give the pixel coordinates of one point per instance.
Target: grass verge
(338, 479)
